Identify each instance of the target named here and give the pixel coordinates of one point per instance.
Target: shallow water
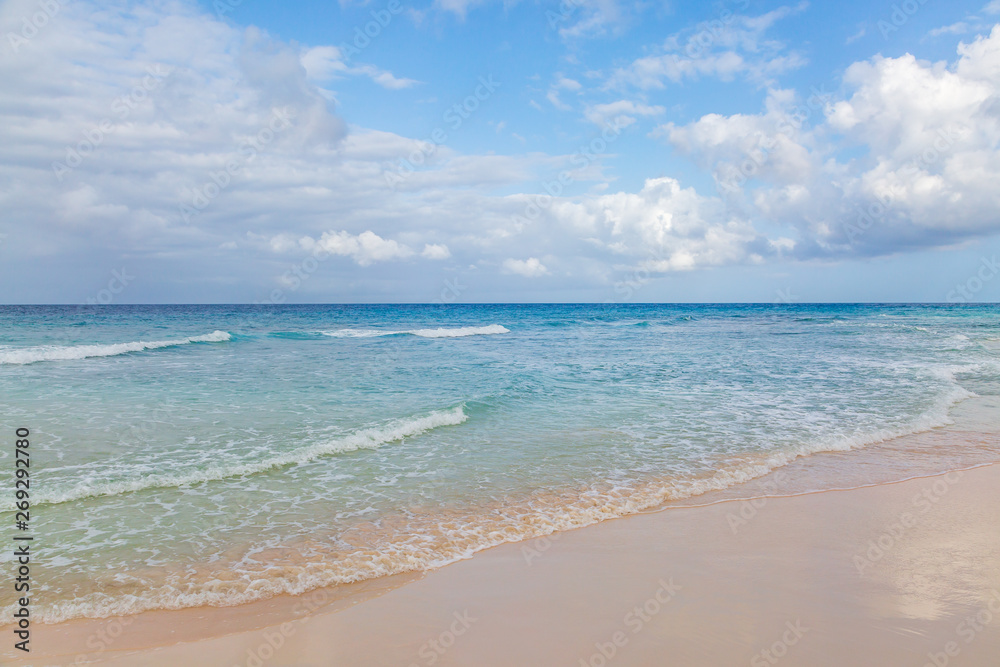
(188, 455)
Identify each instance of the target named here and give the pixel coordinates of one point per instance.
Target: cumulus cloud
(929, 134)
(365, 248)
(156, 110)
(170, 143)
(436, 251)
(665, 227)
(773, 144)
(529, 268)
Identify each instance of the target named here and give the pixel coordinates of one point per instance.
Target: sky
(443, 151)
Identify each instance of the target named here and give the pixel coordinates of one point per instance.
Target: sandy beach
(902, 573)
(468, 333)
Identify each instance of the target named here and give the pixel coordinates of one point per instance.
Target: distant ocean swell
(456, 332)
(31, 355)
(424, 541)
(38, 353)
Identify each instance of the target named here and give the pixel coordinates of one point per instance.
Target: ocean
(216, 455)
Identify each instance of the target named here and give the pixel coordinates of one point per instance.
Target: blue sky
(243, 151)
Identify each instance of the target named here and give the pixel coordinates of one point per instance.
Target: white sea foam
(454, 332)
(460, 331)
(371, 438)
(445, 542)
(30, 355)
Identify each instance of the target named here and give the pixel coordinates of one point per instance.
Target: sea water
(193, 455)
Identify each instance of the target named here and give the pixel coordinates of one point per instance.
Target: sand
(904, 573)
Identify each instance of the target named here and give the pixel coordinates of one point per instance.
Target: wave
(30, 355)
(297, 335)
(454, 332)
(371, 438)
(390, 548)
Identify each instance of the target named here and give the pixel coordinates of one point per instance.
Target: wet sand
(904, 573)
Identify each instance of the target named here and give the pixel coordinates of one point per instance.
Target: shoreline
(968, 446)
(496, 580)
(972, 433)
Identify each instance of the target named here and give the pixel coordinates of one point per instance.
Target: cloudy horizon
(475, 151)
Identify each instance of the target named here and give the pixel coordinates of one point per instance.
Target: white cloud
(324, 63)
(457, 7)
(665, 227)
(565, 83)
(862, 30)
(436, 251)
(529, 268)
(930, 134)
(366, 248)
(553, 97)
(562, 83)
(622, 111)
(282, 243)
(768, 145)
(958, 28)
(318, 184)
(580, 19)
(724, 49)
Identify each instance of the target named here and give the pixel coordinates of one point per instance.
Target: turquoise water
(189, 455)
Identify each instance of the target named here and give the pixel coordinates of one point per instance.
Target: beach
(508, 485)
(893, 574)
(467, 333)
